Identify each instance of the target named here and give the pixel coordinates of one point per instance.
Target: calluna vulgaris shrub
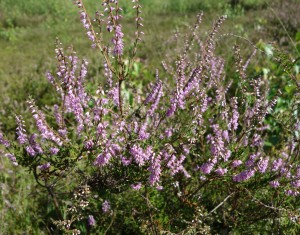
(187, 154)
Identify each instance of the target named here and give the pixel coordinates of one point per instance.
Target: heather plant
(190, 152)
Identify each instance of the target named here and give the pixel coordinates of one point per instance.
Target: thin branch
(220, 203)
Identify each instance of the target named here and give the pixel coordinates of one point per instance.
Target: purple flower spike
(277, 164)
(54, 151)
(221, 171)
(262, 165)
(118, 41)
(12, 158)
(236, 163)
(4, 141)
(21, 132)
(155, 169)
(207, 167)
(91, 220)
(105, 206)
(245, 175)
(274, 184)
(44, 167)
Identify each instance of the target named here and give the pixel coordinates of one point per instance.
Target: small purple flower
(4, 141)
(284, 155)
(172, 108)
(109, 28)
(185, 173)
(103, 158)
(57, 115)
(101, 130)
(257, 140)
(236, 163)
(155, 169)
(204, 104)
(225, 135)
(53, 150)
(186, 149)
(277, 164)
(139, 155)
(227, 155)
(118, 41)
(36, 147)
(262, 165)
(21, 132)
(207, 167)
(298, 172)
(50, 78)
(44, 166)
(217, 144)
(245, 175)
(84, 21)
(274, 184)
(143, 134)
(175, 164)
(180, 99)
(136, 186)
(89, 144)
(221, 171)
(291, 192)
(91, 220)
(251, 160)
(296, 183)
(154, 106)
(115, 149)
(12, 158)
(105, 206)
(125, 161)
(233, 124)
(154, 92)
(91, 35)
(168, 132)
(43, 127)
(285, 171)
(114, 95)
(30, 151)
(159, 187)
(62, 132)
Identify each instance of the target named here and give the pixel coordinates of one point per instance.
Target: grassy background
(28, 30)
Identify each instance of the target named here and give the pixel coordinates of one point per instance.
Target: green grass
(28, 30)
(18, 201)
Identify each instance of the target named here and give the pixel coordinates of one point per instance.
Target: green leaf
(131, 99)
(298, 47)
(269, 50)
(91, 103)
(297, 37)
(290, 88)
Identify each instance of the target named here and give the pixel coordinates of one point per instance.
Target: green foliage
(32, 7)
(21, 204)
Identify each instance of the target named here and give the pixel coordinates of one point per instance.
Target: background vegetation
(28, 31)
